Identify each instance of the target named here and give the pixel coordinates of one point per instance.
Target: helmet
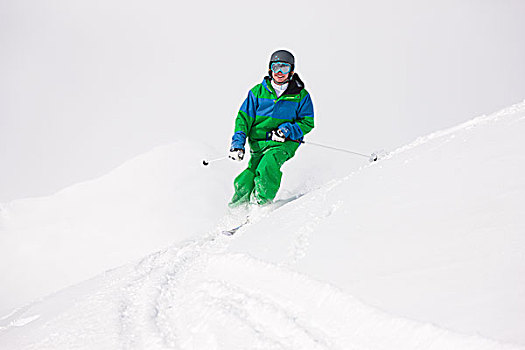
(283, 56)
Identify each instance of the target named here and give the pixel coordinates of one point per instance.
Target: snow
(90, 227)
(420, 250)
(436, 224)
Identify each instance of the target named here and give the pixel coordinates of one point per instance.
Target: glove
(291, 131)
(278, 135)
(236, 154)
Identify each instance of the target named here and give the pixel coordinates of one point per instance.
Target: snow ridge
(512, 112)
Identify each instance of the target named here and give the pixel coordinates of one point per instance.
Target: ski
(265, 211)
(232, 231)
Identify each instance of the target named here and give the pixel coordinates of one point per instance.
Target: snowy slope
(144, 205)
(430, 235)
(433, 233)
(193, 297)
(159, 198)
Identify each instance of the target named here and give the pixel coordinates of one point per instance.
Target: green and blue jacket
(262, 112)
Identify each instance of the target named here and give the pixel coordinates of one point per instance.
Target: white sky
(86, 85)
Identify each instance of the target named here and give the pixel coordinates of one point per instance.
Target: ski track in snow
(193, 296)
(163, 280)
(197, 297)
(169, 290)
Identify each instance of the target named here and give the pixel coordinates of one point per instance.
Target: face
(281, 71)
(279, 77)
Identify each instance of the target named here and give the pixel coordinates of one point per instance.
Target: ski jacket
(263, 111)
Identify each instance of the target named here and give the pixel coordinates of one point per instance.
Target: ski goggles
(282, 67)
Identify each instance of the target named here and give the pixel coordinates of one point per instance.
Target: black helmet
(282, 56)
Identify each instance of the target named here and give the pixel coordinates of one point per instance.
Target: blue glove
(291, 131)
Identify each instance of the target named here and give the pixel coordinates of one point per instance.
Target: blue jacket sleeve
(304, 123)
(244, 121)
(238, 140)
(305, 116)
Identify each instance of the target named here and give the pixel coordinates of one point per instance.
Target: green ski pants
(262, 177)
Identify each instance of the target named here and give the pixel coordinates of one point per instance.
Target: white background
(85, 85)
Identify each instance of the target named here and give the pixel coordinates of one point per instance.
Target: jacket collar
(294, 86)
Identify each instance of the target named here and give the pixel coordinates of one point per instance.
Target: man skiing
(274, 117)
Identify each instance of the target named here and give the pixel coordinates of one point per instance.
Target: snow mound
(144, 205)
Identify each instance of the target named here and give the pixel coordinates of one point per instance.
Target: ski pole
(207, 162)
(371, 158)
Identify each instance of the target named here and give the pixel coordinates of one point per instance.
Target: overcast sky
(86, 85)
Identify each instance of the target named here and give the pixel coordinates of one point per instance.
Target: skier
(274, 117)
